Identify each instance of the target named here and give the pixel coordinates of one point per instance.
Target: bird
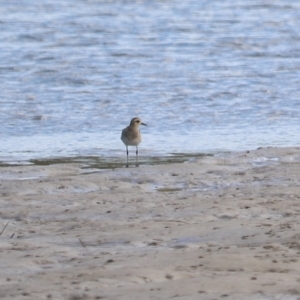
(131, 136)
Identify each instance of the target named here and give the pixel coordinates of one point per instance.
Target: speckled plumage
(131, 136)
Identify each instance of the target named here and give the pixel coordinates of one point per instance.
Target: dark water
(206, 76)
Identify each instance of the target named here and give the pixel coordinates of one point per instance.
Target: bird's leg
(137, 157)
(127, 156)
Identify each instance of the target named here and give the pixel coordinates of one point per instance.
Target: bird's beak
(143, 124)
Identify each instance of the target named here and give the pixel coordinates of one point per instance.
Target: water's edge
(108, 162)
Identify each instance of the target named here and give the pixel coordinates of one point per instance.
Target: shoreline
(211, 227)
(119, 161)
(106, 162)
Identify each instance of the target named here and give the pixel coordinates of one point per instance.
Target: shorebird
(131, 136)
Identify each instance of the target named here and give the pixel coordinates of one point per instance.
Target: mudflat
(221, 227)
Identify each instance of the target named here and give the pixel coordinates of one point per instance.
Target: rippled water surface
(206, 76)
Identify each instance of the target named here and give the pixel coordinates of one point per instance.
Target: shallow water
(206, 76)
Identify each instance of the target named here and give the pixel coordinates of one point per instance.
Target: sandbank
(216, 227)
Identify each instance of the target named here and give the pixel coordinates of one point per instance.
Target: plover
(131, 136)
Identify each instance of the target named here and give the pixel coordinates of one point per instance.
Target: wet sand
(222, 227)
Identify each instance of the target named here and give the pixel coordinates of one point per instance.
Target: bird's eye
(138, 121)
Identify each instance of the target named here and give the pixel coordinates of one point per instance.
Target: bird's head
(136, 122)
